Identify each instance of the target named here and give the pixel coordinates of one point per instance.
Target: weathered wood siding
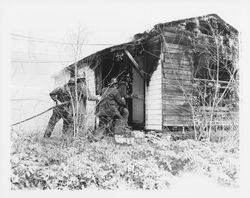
(176, 81)
(154, 100)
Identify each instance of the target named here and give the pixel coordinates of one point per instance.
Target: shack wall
(153, 98)
(176, 81)
(90, 105)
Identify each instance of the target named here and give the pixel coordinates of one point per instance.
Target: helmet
(71, 81)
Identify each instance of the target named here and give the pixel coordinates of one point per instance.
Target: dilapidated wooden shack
(176, 69)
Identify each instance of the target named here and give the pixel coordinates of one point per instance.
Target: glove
(98, 97)
(58, 102)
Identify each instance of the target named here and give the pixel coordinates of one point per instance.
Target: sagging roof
(141, 38)
(200, 19)
(98, 54)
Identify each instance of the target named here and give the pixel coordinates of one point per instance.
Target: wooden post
(134, 62)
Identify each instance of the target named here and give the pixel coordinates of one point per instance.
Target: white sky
(110, 21)
(102, 22)
(106, 21)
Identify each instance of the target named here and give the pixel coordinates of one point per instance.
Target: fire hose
(39, 114)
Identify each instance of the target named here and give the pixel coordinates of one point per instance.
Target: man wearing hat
(62, 111)
(67, 94)
(83, 93)
(108, 107)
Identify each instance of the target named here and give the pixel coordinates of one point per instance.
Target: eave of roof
(104, 52)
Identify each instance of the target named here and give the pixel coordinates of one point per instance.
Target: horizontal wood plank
(177, 119)
(178, 67)
(176, 56)
(154, 117)
(177, 85)
(154, 112)
(174, 82)
(176, 72)
(154, 121)
(181, 116)
(178, 77)
(156, 92)
(179, 113)
(158, 122)
(153, 101)
(176, 46)
(175, 30)
(181, 50)
(177, 40)
(201, 38)
(177, 91)
(174, 123)
(173, 102)
(153, 105)
(154, 127)
(173, 61)
(154, 96)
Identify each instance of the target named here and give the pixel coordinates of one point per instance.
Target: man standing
(63, 111)
(68, 111)
(83, 93)
(123, 89)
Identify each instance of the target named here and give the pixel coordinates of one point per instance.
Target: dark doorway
(118, 68)
(138, 100)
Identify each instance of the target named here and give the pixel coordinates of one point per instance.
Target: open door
(138, 101)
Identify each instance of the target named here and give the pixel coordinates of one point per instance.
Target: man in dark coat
(108, 109)
(66, 94)
(122, 88)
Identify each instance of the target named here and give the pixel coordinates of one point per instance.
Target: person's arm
(123, 90)
(54, 94)
(124, 93)
(119, 99)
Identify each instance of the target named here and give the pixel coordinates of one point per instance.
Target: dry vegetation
(152, 163)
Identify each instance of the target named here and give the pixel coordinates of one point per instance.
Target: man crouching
(110, 117)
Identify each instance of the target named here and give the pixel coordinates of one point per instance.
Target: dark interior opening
(116, 67)
(109, 71)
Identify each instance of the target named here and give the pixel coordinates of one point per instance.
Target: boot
(47, 133)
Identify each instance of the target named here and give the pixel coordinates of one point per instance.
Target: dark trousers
(115, 124)
(125, 114)
(60, 113)
(105, 126)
